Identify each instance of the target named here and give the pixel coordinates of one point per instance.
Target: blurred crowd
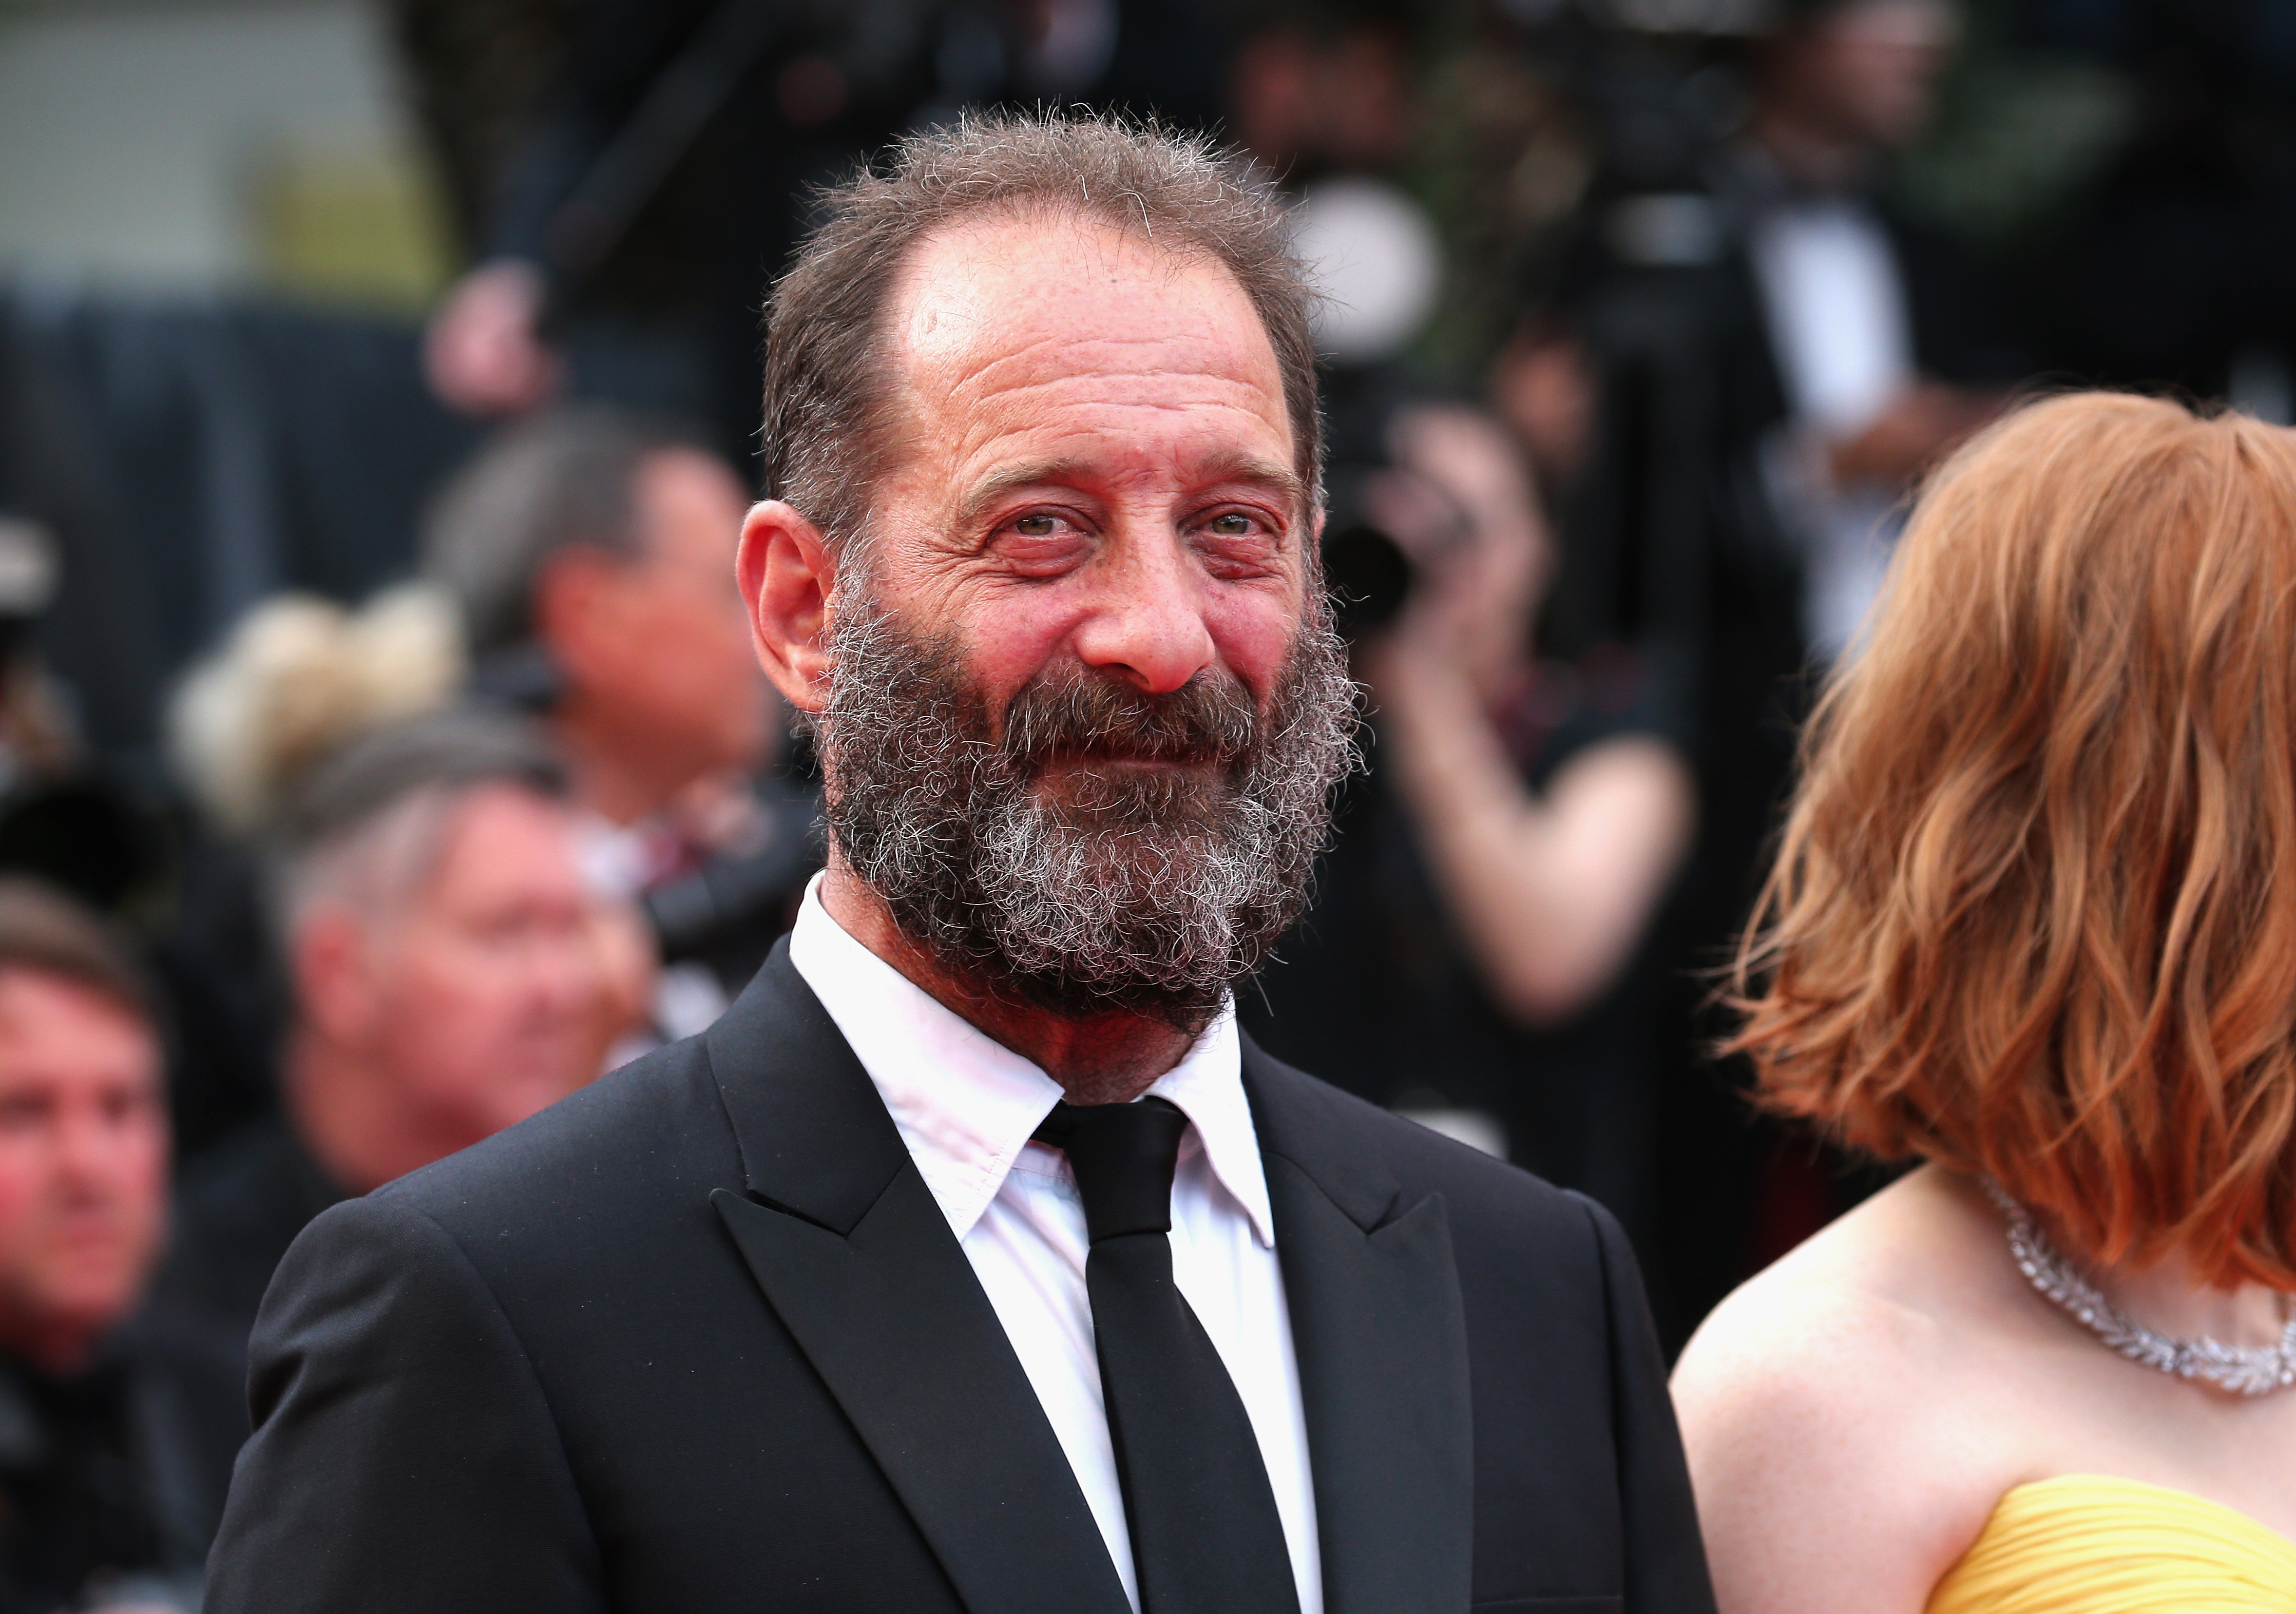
(1643, 318)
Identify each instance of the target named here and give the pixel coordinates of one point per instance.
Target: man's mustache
(1209, 719)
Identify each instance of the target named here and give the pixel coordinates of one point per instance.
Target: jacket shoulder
(636, 1136)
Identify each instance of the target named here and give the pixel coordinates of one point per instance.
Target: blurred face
(1077, 725)
(1305, 104)
(658, 648)
(494, 990)
(82, 1162)
(1867, 72)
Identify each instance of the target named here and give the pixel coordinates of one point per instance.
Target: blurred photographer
(591, 554)
(1550, 886)
(1487, 911)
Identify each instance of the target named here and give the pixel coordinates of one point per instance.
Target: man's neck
(1100, 1059)
(606, 780)
(345, 1116)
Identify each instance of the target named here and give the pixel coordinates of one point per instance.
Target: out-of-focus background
(371, 365)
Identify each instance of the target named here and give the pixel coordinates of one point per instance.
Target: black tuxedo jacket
(699, 1340)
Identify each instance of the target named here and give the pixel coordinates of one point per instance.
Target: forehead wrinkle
(1001, 413)
(1086, 359)
(997, 411)
(1105, 443)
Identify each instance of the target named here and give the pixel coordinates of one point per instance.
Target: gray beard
(1150, 892)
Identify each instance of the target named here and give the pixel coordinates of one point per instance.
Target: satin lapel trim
(1380, 1336)
(855, 1257)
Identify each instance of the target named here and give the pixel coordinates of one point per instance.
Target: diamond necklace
(2243, 1370)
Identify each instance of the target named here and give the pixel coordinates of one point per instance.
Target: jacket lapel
(851, 1249)
(1381, 1337)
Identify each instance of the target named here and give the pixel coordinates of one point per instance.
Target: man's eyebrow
(993, 487)
(1271, 476)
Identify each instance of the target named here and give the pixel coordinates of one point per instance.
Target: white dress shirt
(1844, 345)
(966, 1105)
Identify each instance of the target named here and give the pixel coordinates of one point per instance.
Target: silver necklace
(2243, 1370)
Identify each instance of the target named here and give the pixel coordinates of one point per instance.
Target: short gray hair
(826, 379)
(564, 481)
(366, 826)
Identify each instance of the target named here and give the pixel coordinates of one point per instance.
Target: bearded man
(974, 1260)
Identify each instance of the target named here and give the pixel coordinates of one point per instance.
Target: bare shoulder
(1806, 1363)
(1838, 1456)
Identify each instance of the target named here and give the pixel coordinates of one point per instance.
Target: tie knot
(1123, 1156)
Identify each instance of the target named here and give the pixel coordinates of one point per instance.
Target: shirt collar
(966, 1105)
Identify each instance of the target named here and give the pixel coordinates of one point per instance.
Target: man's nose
(1147, 624)
(85, 1146)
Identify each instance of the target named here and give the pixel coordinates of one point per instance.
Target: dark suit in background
(700, 1338)
(235, 1214)
(111, 1480)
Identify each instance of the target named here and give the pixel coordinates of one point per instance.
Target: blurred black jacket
(111, 1482)
(237, 1212)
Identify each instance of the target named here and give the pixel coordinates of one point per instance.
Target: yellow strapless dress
(2087, 1543)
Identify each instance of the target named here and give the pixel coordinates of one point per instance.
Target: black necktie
(1206, 1538)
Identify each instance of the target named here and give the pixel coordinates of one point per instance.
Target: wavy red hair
(2034, 912)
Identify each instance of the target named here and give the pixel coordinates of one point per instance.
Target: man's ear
(787, 576)
(327, 961)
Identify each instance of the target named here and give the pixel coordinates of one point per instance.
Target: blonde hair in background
(2034, 912)
(298, 676)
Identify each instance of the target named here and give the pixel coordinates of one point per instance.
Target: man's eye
(1235, 524)
(1037, 526)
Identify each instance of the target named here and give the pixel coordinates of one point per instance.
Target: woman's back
(1891, 1418)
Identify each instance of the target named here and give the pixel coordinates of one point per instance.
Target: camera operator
(591, 554)
(1487, 912)
(1747, 355)
(1550, 888)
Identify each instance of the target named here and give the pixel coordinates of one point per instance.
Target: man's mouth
(1126, 763)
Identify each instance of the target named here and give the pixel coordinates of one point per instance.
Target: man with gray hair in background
(451, 970)
(974, 1260)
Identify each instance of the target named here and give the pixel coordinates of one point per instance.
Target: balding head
(832, 368)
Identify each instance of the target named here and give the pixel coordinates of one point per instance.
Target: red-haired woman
(2034, 923)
